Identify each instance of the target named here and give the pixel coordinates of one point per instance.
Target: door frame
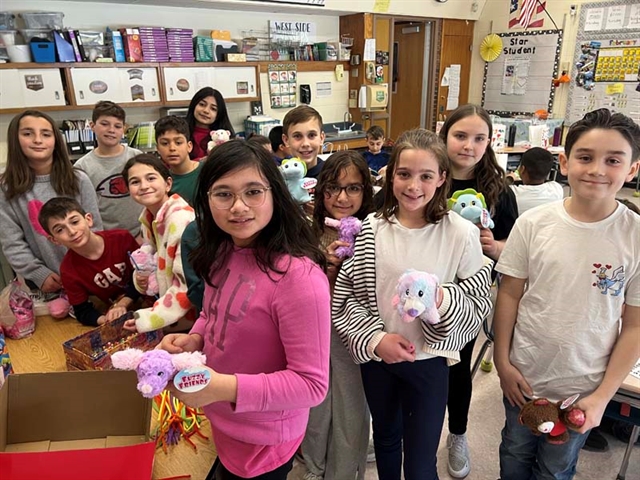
(430, 68)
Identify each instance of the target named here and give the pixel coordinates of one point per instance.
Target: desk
(629, 392)
(42, 352)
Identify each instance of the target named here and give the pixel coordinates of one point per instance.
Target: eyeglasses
(352, 190)
(224, 200)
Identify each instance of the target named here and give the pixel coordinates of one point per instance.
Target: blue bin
(43, 52)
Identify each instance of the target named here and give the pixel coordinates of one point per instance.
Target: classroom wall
(98, 15)
(494, 18)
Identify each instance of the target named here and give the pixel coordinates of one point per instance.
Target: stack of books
(154, 44)
(180, 44)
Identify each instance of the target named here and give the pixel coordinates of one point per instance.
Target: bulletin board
(520, 80)
(606, 63)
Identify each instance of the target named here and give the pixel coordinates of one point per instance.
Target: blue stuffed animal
(471, 205)
(416, 296)
(294, 170)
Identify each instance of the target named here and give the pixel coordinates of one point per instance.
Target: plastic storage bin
(19, 53)
(10, 37)
(259, 124)
(7, 21)
(52, 20)
(43, 52)
(29, 33)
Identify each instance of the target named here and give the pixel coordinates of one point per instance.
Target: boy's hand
(394, 348)
(593, 407)
(114, 313)
(52, 283)
(513, 385)
(181, 342)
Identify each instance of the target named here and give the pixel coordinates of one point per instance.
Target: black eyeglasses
(352, 190)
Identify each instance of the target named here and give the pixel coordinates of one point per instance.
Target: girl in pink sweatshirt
(265, 320)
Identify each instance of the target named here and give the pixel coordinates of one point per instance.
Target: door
(236, 82)
(11, 92)
(91, 85)
(140, 84)
(457, 38)
(42, 87)
(406, 105)
(182, 83)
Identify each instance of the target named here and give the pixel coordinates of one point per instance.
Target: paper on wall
(454, 87)
(369, 50)
(634, 16)
(381, 6)
(615, 17)
(323, 89)
(514, 76)
(593, 22)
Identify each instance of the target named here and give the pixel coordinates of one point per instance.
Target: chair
(486, 364)
(625, 406)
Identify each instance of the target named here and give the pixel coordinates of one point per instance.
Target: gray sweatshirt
(24, 241)
(117, 208)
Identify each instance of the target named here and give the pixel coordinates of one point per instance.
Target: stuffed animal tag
(192, 379)
(309, 183)
(569, 401)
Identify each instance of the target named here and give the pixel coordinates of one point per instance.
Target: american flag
(526, 13)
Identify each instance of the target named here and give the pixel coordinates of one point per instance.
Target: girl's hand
(130, 325)
(142, 280)
(394, 348)
(331, 253)
(513, 385)
(593, 407)
(52, 283)
(201, 398)
(490, 246)
(181, 342)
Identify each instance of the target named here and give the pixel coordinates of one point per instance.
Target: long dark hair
(418, 139)
(287, 233)
(18, 177)
(487, 173)
(221, 122)
(335, 165)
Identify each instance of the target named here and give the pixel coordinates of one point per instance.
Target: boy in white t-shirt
(566, 333)
(535, 165)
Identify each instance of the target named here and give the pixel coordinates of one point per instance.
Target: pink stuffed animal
(416, 297)
(59, 307)
(145, 261)
(218, 137)
(155, 368)
(348, 229)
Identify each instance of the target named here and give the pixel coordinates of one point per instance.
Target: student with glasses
(265, 321)
(335, 446)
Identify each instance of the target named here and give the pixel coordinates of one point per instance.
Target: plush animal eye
(407, 292)
(420, 293)
(160, 374)
(463, 204)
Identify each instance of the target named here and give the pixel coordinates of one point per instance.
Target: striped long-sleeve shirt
(357, 318)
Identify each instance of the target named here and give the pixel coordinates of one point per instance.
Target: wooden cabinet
(31, 88)
(117, 84)
(42, 85)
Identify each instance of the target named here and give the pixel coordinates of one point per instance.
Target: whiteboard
(612, 26)
(520, 81)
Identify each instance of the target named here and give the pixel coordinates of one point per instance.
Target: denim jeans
(525, 456)
(407, 401)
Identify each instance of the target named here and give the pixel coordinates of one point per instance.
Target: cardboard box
(92, 350)
(74, 425)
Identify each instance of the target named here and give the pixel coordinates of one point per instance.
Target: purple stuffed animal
(415, 297)
(348, 228)
(155, 368)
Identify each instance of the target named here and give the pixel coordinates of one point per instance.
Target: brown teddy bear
(543, 416)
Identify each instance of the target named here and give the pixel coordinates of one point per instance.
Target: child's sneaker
(459, 464)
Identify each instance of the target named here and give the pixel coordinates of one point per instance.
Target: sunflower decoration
(491, 47)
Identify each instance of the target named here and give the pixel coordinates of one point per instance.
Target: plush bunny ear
(188, 359)
(127, 359)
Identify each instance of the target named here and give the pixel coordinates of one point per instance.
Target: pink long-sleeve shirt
(273, 334)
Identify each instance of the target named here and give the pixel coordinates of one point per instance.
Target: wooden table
(42, 352)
